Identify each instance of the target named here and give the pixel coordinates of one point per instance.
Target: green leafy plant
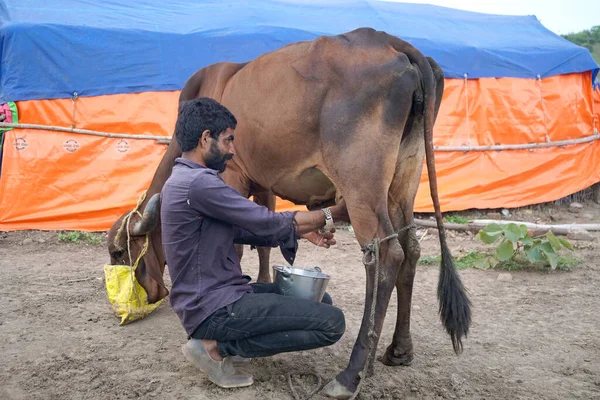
(515, 242)
(430, 260)
(471, 259)
(456, 219)
(521, 262)
(78, 236)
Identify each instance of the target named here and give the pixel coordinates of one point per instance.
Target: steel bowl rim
(301, 272)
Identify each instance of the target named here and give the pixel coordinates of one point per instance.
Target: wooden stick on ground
(534, 229)
(82, 280)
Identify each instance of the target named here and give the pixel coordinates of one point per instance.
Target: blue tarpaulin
(53, 48)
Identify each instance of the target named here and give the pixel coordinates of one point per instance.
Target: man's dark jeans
(264, 323)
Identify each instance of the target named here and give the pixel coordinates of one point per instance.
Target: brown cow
(347, 116)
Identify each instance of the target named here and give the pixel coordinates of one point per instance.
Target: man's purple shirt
(201, 219)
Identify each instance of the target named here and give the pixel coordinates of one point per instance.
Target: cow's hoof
(336, 390)
(395, 358)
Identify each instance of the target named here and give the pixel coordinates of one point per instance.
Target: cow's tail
(454, 305)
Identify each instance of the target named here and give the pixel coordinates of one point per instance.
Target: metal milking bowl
(299, 282)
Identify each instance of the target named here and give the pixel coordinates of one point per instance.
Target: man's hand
(309, 221)
(324, 239)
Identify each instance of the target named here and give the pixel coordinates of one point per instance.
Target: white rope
(467, 110)
(74, 99)
(309, 395)
(539, 79)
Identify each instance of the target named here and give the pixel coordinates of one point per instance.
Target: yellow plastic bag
(128, 298)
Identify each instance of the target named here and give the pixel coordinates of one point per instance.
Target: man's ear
(204, 139)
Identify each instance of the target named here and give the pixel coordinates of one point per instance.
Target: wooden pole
(529, 146)
(159, 139)
(166, 139)
(534, 229)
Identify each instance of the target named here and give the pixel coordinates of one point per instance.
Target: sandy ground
(533, 337)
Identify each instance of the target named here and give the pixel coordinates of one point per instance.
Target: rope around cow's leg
(373, 249)
(311, 394)
(125, 222)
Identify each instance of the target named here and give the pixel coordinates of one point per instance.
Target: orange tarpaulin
(152, 113)
(65, 181)
(53, 180)
(511, 178)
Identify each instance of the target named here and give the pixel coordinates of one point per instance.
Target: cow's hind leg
(401, 197)
(369, 223)
(366, 176)
(400, 351)
(367, 200)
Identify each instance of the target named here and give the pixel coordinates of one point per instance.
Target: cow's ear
(312, 64)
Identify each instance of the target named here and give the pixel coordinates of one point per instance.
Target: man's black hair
(196, 116)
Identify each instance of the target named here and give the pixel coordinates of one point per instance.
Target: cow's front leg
(267, 199)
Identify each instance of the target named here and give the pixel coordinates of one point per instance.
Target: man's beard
(217, 160)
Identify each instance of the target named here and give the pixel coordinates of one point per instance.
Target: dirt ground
(535, 336)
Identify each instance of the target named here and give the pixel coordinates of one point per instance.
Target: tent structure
(518, 124)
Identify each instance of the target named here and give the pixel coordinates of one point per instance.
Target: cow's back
(210, 81)
(279, 97)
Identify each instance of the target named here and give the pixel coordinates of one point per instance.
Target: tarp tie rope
(311, 394)
(466, 80)
(539, 79)
(74, 99)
